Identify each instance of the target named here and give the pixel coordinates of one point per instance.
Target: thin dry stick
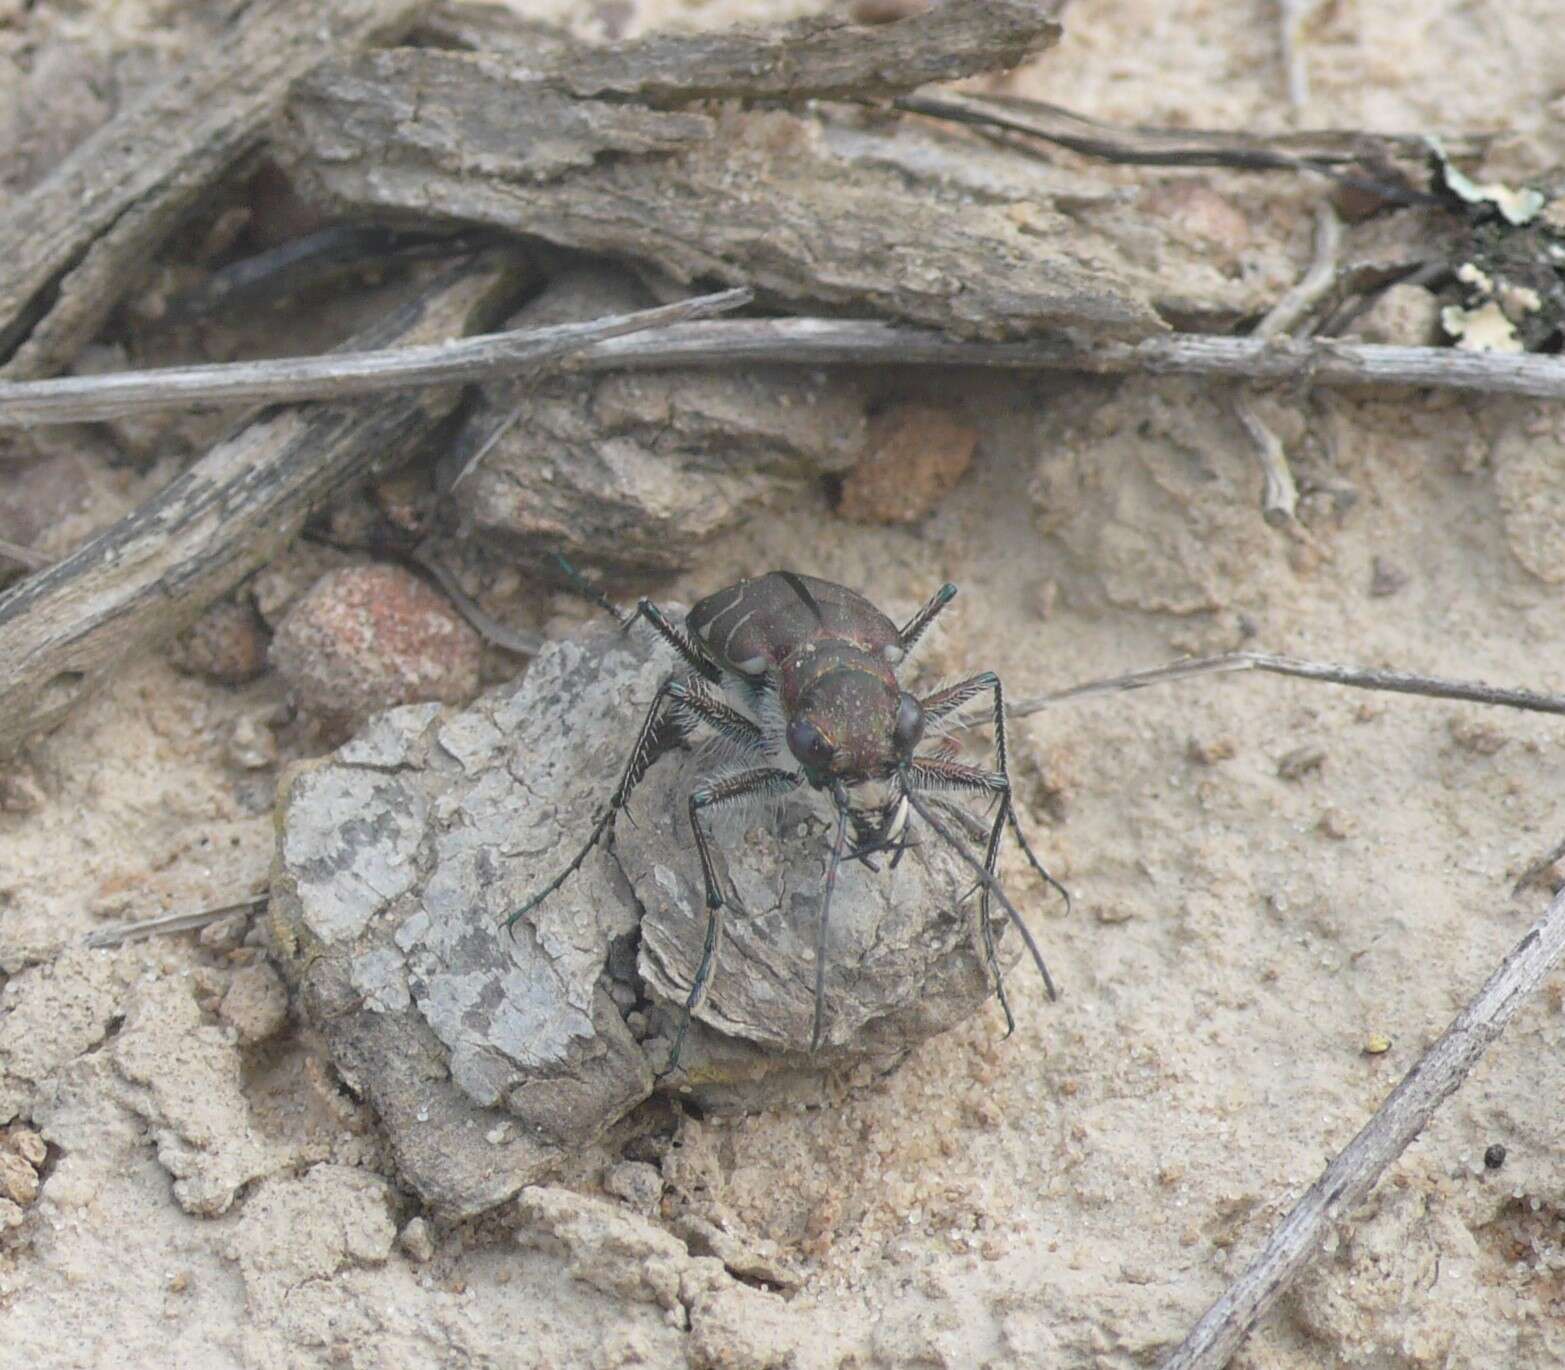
(23, 556)
(790, 342)
(116, 934)
(1279, 494)
(1398, 682)
(1291, 16)
(337, 375)
(1350, 1177)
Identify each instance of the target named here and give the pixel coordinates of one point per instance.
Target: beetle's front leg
(763, 780)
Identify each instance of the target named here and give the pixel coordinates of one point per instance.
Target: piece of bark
(635, 473)
(821, 57)
(77, 240)
(67, 629)
(731, 194)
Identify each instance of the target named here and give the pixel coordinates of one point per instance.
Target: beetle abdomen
(754, 626)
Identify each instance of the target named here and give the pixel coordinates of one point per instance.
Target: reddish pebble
(915, 454)
(366, 638)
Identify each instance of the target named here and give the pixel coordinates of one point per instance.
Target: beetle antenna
(985, 875)
(840, 797)
(590, 592)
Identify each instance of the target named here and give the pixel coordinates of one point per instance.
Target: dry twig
(782, 342)
(1396, 682)
(1279, 493)
(117, 934)
(338, 375)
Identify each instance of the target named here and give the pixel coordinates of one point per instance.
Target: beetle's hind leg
(943, 773)
(762, 780)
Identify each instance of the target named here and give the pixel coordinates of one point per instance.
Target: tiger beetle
(798, 676)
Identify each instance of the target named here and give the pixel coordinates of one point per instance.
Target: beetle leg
(691, 697)
(940, 773)
(763, 780)
(663, 729)
(918, 625)
(699, 663)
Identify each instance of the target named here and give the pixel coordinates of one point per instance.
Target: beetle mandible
(798, 675)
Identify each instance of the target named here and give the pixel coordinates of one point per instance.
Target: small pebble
(1481, 739)
(227, 644)
(18, 1179)
(251, 745)
(1209, 751)
(1333, 823)
(1300, 761)
(640, 1185)
(367, 638)
(1386, 579)
(415, 1239)
(1493, 1156)
(255, 1004)
(1377, 1044)
(885, 11)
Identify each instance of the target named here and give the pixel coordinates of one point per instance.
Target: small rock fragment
(18, 1180)
(1386, 579)
(251, 745)
(1333, 823)
(415, 1239)
(1481, 739)
(227, 644)
(913, 458)
(1301, 761)
(256, 1004)
(885, 11)
(367, 638)
(640, 1185)
(1209, 751)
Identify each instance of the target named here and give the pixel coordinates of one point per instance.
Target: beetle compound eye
(808, 743)
(910, 724)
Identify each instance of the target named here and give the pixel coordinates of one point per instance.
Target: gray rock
(490, 1057)
(636, 472)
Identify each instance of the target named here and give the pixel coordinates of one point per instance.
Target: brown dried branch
(1321, 150)
(73, 243)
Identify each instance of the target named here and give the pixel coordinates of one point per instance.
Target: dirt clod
(913, 457)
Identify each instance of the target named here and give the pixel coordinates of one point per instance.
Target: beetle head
(851, 726)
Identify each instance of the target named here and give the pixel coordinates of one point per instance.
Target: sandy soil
(1073, 1196)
